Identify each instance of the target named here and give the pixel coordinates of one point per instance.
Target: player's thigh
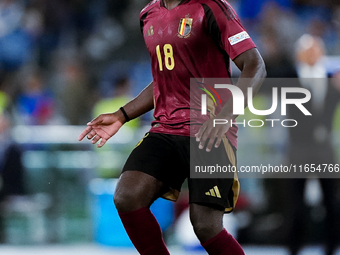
(159, 155)
(153, 169)
(135, 190)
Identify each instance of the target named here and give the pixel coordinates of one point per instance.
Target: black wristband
(127, 119)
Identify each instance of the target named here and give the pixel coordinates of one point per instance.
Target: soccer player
(186, 39)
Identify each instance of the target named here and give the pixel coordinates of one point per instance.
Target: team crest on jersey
(184, 27)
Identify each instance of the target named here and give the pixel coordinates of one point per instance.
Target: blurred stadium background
(63, 62)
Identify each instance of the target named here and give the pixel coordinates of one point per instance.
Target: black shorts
(167, 158)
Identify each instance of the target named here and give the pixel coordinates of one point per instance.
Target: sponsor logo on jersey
(184, 27)
(150, 31)
(238, 38)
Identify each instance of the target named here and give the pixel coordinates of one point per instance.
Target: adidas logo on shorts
(214, 192)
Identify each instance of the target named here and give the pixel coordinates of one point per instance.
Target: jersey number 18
(168, 57)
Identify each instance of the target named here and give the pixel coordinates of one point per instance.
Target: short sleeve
(232, 36)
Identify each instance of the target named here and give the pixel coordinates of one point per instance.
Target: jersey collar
(182, 2)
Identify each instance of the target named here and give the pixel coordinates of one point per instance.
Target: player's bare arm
(253, 69)
(107, 125)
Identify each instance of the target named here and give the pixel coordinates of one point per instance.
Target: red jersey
(196, 39)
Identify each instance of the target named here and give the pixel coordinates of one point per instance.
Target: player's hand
(208, 133)
(102, 128)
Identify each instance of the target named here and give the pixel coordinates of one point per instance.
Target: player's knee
(135, 190)
(124, 201)
(206, 222)
(200, 227)
(202, 230)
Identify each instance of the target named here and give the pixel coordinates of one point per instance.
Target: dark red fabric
(213, 35)
(144, 232)
(223, 244)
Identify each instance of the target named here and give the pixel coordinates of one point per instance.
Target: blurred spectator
(4, 100)
(11, 168)
(281, 26)
(15, 43)
(336, 22)
(109, 35)
(311, 142)
(278, 63)
(115, 91)
(251, 10)
(73, 89)
(336, 83)
(112, 75)
(11, 12)
(35, 103)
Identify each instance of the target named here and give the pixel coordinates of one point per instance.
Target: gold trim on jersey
(236, 183)
(141, 140)
(171, 195)
(231, 156)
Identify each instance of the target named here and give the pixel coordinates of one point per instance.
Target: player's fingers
(95, 139)
(218, 141)
(221, 134)
(91, 134)
(96, 121)
(204, 138)
(200, 132)
(102, 142)
(84, 133)
(213, 135)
